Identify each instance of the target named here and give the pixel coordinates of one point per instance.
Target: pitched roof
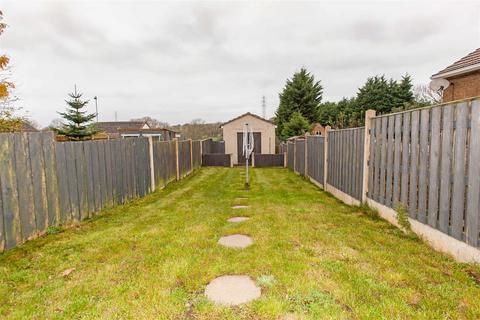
(247, 114)
(116, 126)
(466, 64)
(149, 130)
(27, 127)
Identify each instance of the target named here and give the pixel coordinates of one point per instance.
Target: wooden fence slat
(87, 148)
(103, 173)
(446, 168)
(108, 173)
(389, 182)
(371, 163)
(433, 171)
(383, 160)
(458, 192)
(473, 195)
(11, 213)
(23, 174)
(97, 195)
(37, 164)
(405, 166)
(51, 180)
(423, 165)
(72, 180)
(376, 176)
(413, 192)
(82, 176)
(397, 156)
(63, 190)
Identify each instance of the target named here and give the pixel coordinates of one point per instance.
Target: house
(318, 130)
(263, 136)
(129, 129)
(27, 127)
(462, 78)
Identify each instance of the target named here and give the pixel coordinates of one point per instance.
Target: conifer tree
(79, 124)
(297, 125)
(301, 94)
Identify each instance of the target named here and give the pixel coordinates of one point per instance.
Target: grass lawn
(313, 256)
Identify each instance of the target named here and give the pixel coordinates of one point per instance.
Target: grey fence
(300, 156)
(44, 183)
(429, 160)
(165, 163)
(268, 160)
(210, 146)
(216, 160)
(197, 153)
(290, 155)
(316, 158)
(345, 160)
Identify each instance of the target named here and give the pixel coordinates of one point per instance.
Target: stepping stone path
(232, 290)
(240, 207)
(237, 241)
(238, 219)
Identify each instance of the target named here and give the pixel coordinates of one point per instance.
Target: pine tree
(301, 94)
(79, 124)
(297, 125)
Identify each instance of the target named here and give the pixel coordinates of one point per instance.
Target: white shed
(263, 135)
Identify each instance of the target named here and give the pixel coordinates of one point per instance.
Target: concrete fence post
(152, 164)
(366, 151)
(176, 159)
(253, 159)
(325, 157)
(285, 158)
(294, 154)
(201, 152)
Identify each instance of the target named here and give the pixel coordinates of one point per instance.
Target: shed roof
(117, 126)
(247, 114)
(470, 62)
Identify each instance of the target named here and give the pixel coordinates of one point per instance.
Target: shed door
(257, 145)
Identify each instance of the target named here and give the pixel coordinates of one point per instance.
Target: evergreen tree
(301, 94)
(79, 124)
(297, 125)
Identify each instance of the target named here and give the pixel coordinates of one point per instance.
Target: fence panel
(300, 156)
(184, 157)
(345, 160)
(216, 160)
(269, 160)
(290, 155)
(439, 153)
(315, 158)
(196, 153)
(210, 146)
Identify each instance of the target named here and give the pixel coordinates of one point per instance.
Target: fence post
(191, 155)
(201, 152)
(152, 164)
(285, 157)
(253, 159)
(176, 159)
(366, 152)
(325, 157)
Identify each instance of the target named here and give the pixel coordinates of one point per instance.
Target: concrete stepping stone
(237, 241)
(240, 207)
(238, 219)
(232, 290)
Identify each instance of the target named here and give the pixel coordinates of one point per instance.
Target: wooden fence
(45, 183)
(429, 161)
(216, 160)
(210, 146)
(345, 161)
(426, 160)
(268, 160)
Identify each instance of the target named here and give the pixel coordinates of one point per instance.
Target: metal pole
(247, 180)
(96, 107)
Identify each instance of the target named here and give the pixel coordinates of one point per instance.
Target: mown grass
(314, 257)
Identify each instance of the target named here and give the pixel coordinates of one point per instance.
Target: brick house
(464, 77)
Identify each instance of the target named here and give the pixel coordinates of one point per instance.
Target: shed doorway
(257, 145)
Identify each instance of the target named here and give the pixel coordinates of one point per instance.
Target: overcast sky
(214, 60)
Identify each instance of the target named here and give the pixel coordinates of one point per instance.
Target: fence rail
(45, 183)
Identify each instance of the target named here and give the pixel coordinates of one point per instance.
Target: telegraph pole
(264, 108)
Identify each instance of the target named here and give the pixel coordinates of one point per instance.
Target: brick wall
(462, 87)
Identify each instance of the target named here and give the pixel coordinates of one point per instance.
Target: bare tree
(152, 123)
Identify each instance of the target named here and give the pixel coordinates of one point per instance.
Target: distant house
(318, 130)
(27, 127)
(129, 129)
(263, 135)
(463, 78)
